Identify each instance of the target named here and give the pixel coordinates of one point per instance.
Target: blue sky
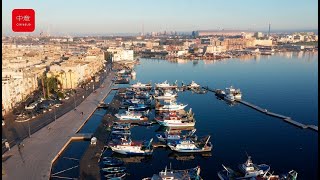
(127, 16)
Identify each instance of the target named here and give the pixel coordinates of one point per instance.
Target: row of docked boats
(163, 85)
(122, 143)
(173, 115)
(113, 168)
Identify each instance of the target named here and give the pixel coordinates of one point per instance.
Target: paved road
(33, 161)
(15, 131)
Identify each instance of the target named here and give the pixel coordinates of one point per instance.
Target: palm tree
(70, 71)
(42, 84)
(60, 73)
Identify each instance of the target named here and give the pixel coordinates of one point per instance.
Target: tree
(70, 71)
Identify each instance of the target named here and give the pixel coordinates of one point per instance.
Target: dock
(89, 163)
(265, 111)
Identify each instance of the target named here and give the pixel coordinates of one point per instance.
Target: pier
(265, 111)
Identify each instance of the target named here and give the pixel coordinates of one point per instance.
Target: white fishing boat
(131, 115)
(235, 92)
(252, 170)
(130, 147)
(169, 174)
(141, 85)
(173, 106)
(193, 85)
(190, 146)
(165, 84)
(167, 95)
(248, 170)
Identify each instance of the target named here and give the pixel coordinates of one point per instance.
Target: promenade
(33, 161)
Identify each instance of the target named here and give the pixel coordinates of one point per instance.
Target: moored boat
(169, 174)
(130, 147)
(115, 176)
(235, 92)
(141, 85)
(114, 169)
(168, 136)
(173, 106)
(111, 161)
(165, 84)
(121, 126)
(247, 170)
(190, 146)
(193, 85)
(130, 115)
(121, 132)
(167, 95)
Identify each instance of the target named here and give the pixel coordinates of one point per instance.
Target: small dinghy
(111, 161)
(115, 176)
(114, 169)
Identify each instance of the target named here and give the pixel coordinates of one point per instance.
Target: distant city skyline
(76, 17)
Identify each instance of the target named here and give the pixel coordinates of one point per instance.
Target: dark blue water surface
(68, 163)
(285, 83)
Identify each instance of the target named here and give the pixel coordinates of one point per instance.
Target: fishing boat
(252, 170)
(177, 123)
(190, 146)
(165, 84)
(247, 170)
(138, 107)
(141, 85)
(115, 176)
(173, 106)
(168, 136)
(169, 174)
(111, 161)
(172, 119)
(235, 92)
(114, 169)
(193, 85)
(130, 147)
(130, 115)
(167, 95)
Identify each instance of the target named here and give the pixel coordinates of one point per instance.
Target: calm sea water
(285, 83)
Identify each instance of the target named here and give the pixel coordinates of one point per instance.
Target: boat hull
(127, 151)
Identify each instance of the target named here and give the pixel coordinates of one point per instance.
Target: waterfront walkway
(34, 160)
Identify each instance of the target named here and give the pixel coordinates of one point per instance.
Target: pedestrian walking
(7, 145)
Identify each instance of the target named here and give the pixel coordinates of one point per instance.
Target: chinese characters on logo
(23, 20)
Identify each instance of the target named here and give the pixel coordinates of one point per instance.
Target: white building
(123, 55)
